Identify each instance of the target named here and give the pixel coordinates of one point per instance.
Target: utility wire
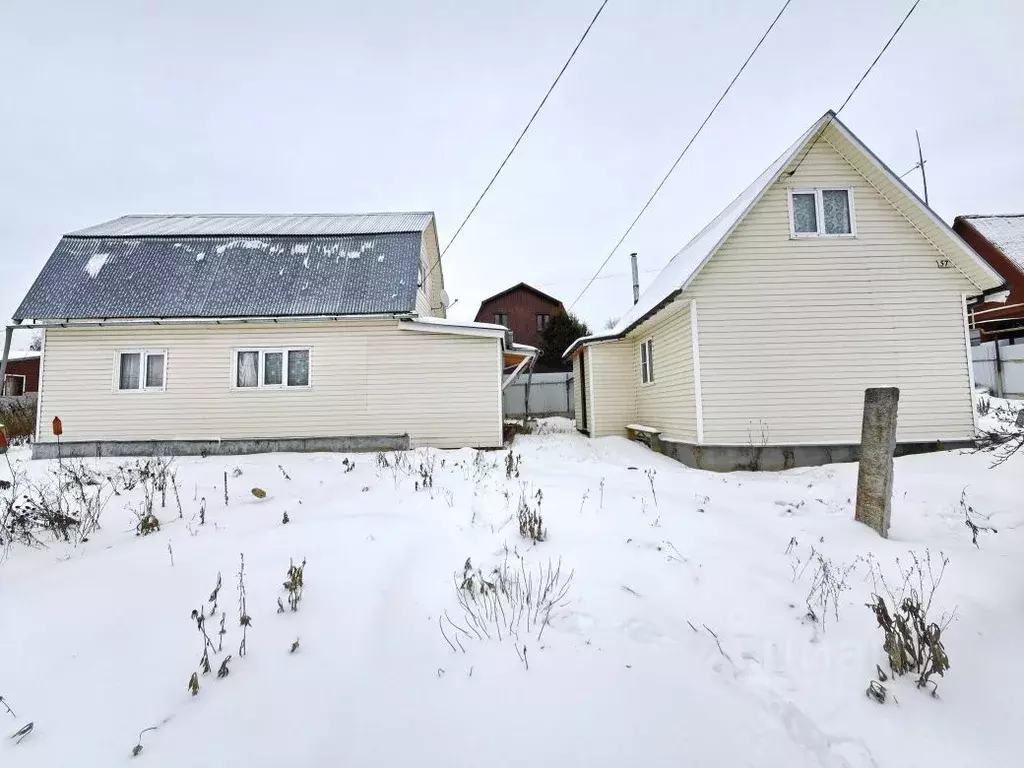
(518, 140)
(683, 153)
(862, 79)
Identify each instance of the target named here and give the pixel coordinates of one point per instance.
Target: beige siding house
(754, 345)
(212, 334)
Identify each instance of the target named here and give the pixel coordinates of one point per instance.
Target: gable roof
(680, 272)
(233, 266)
(517, 287)
(1005, 232)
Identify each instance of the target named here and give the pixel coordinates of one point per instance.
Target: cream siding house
(211, 334)
(825, 277)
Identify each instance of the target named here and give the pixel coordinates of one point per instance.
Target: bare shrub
(531, 523)
(244, 620)
(912, 638)
(969, 515)
(512, 462)
(19, 418)
(828, 583)
(511, 602)
(293, 585)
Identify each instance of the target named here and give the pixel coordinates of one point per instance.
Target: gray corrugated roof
(135, 277)
(207, 225)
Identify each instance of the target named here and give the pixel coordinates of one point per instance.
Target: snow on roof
(1005, 232)
(209, 225)
(22, 354)
(685, 265)
(469, 324)
(688, 261)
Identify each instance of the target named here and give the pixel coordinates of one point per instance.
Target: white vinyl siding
(793, 330)
(610, 382)
(668, 402)
(429, 295)
(367, 378)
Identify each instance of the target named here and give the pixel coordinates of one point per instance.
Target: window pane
(248, 369)
(131, 367)
(650, 360)
(805, 214)
(273, 368)
(298, 368)
(155, 371)
(643, 362)
(835, 205)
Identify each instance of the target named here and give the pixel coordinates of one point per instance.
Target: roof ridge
(991, 216)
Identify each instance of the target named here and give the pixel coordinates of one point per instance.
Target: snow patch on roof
(1004, 232)
(300, 248)
(96, 263)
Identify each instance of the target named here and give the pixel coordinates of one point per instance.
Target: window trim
(261, 353)
(646, 362)
(144, 354)
(12, 376)
(543, 325)
(498, 315)
(819, 210)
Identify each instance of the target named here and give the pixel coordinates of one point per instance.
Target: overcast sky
(126, 106)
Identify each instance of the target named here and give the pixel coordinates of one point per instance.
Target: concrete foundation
(98, 448)
(772, 458)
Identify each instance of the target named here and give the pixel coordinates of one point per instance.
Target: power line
(681, 154)
(850, 95)
(519, 139)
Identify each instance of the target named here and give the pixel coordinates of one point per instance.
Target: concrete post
(877, 445)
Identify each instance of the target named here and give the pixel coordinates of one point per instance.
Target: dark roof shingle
(167, 276)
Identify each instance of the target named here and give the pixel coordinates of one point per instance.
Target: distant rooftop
(1004, 231)
(267, 225)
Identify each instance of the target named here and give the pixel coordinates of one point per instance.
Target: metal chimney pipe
(636, 278)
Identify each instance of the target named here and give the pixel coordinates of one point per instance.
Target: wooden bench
(649, 436)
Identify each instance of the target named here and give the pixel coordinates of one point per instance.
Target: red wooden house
(999, 240)
(522, 309)
(22, 375)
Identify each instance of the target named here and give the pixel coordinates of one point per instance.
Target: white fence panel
(1012, 364)
(551, 394)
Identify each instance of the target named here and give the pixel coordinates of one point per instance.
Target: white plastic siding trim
(695, 341)
(970, 362)
(39, 387)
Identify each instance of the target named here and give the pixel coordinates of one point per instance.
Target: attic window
(501, 318)
(821, 213)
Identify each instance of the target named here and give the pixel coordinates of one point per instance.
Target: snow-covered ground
(683, 638)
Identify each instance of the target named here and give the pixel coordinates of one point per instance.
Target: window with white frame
(271, 368)
(14, 385)
(140, 370)
(821, 212)
(647, 361)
